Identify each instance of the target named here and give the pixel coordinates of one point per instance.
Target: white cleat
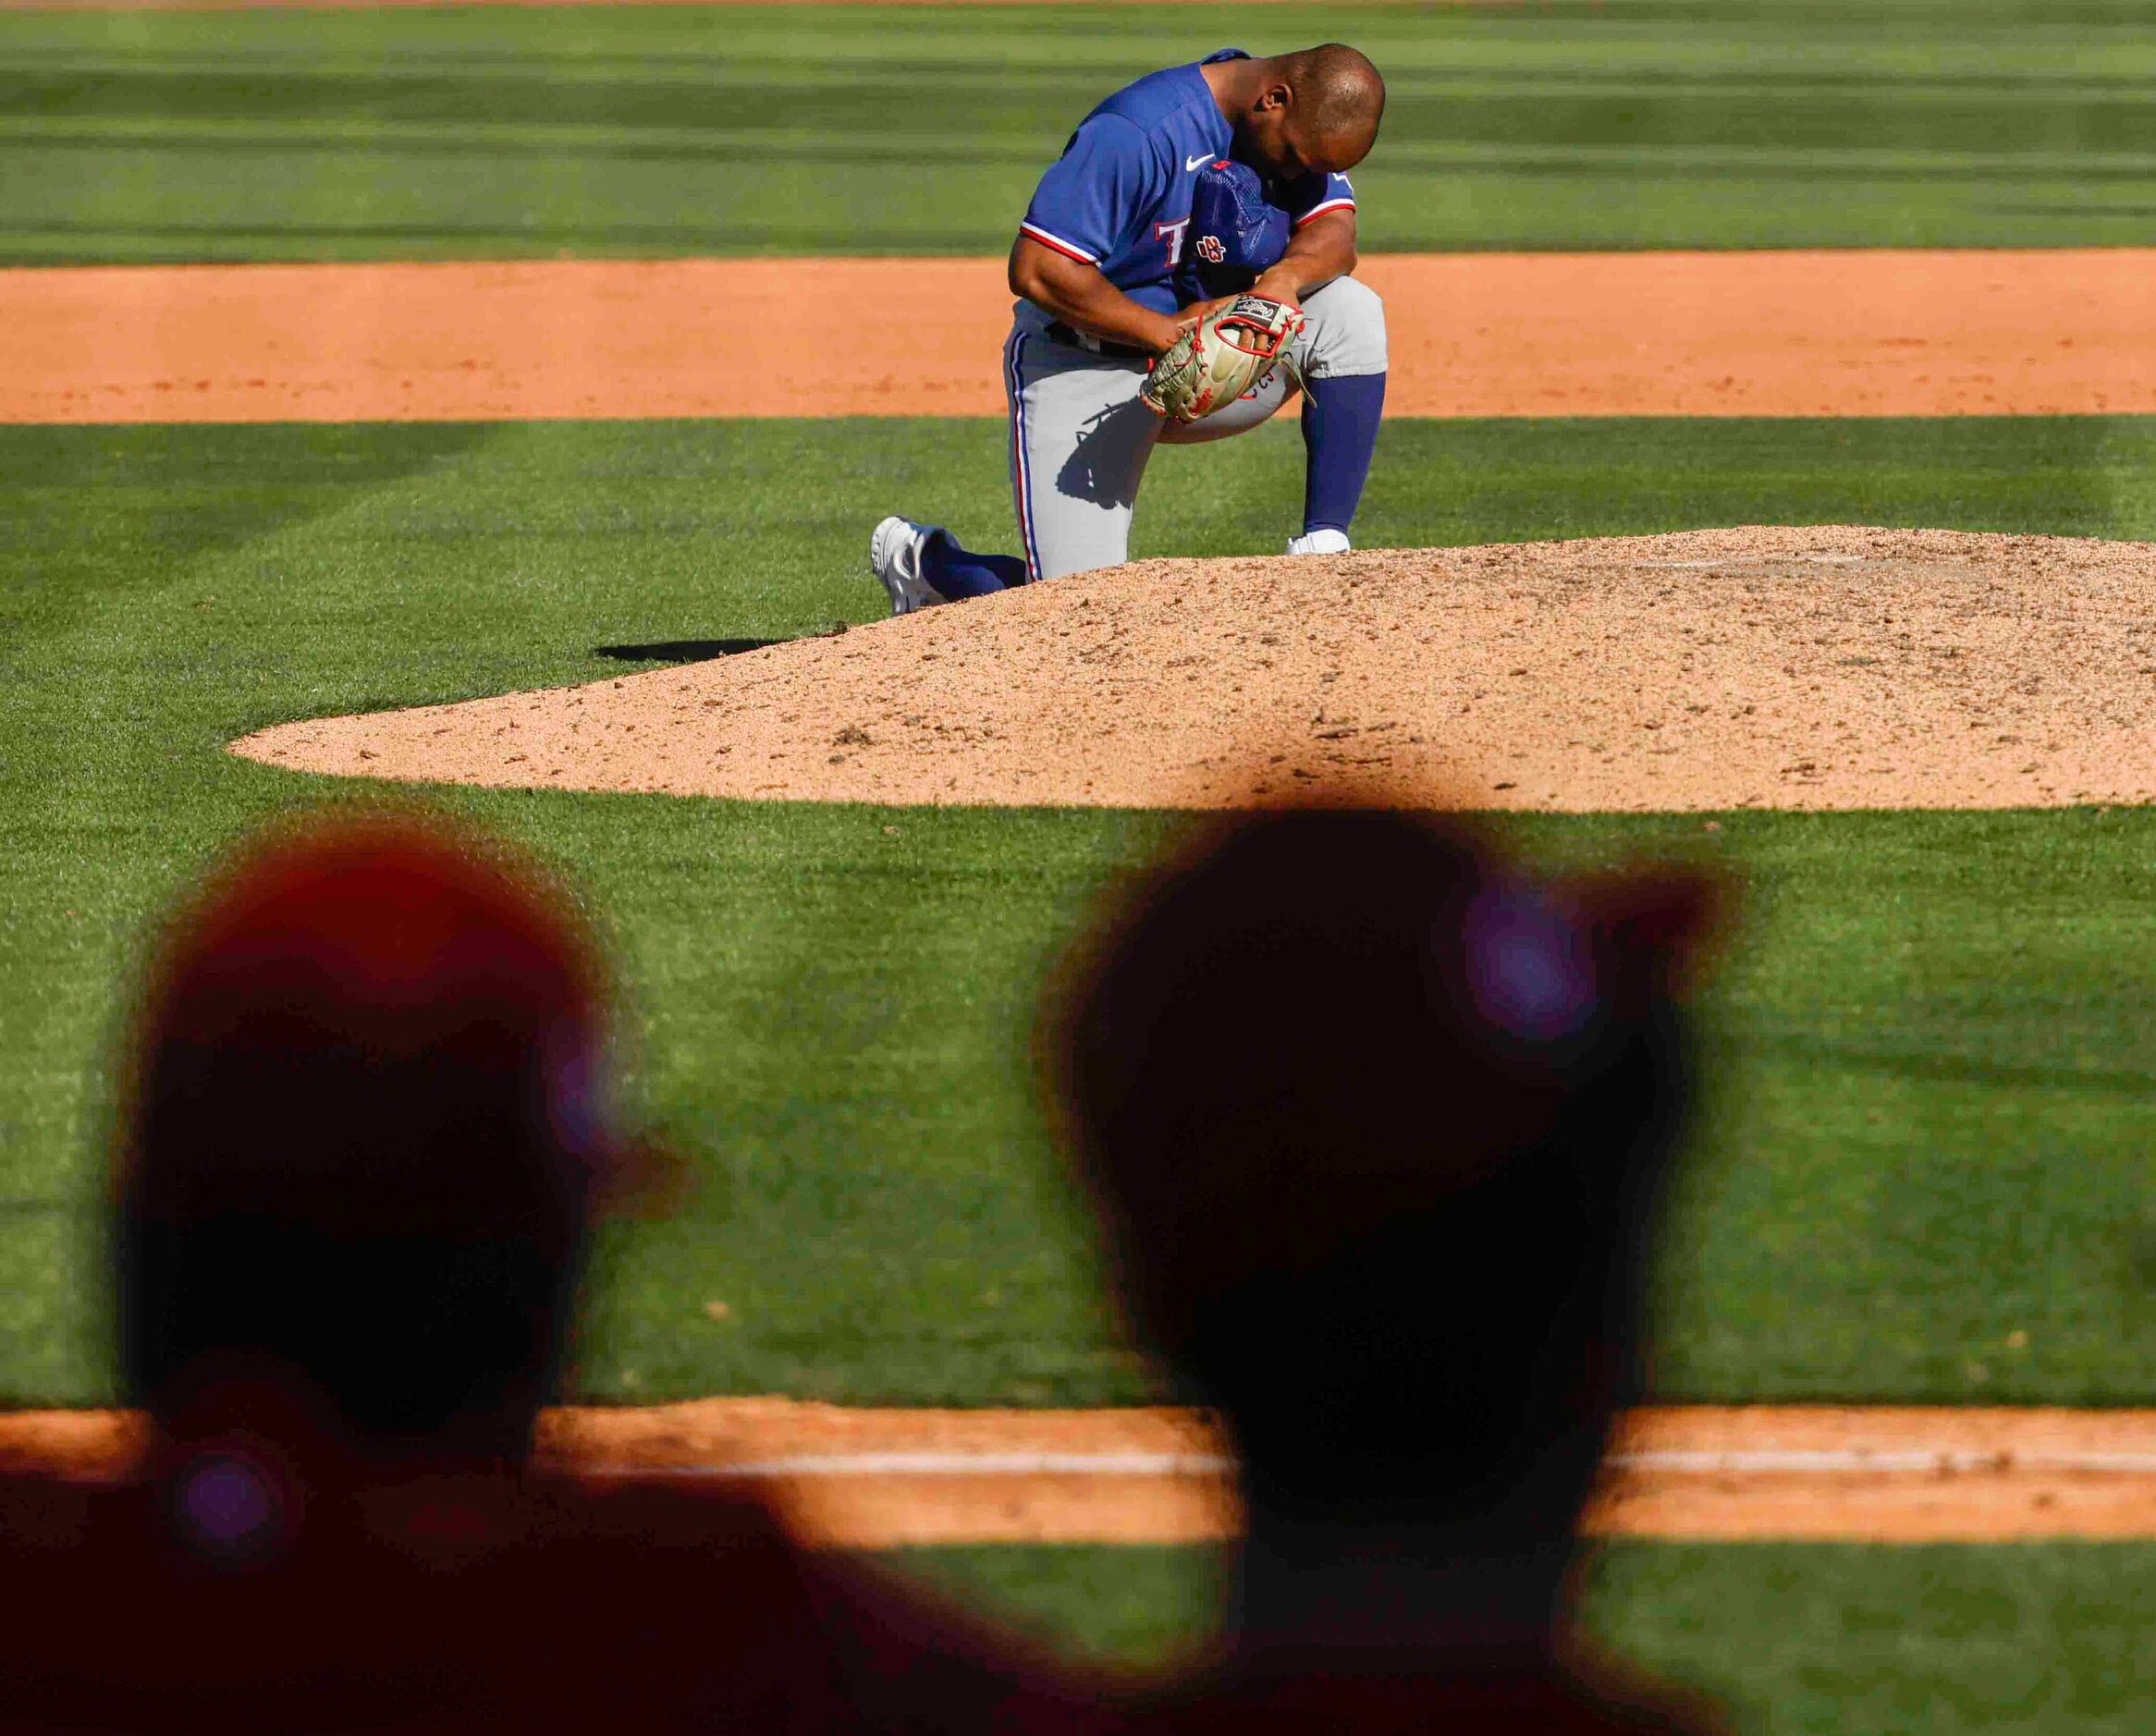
(1326, 542)
(894, 557)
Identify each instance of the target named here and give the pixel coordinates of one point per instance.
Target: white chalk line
(940, 1464)
(1832, 1462)
(1857, 1460)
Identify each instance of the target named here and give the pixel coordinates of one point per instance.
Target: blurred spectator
(1377, 1126)
(363, 1138)
(361, 1141)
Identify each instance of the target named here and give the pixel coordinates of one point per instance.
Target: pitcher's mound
(1825, 667)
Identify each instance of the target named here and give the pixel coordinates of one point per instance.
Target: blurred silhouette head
(361, 1140)
(1377, 1124)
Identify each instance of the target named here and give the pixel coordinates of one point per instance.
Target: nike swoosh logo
(1198, 162)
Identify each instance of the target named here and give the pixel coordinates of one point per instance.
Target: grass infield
(1933, 1057)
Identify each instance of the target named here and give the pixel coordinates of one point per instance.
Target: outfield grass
(1935, 1050)
(489, 132)
(1854, 1639)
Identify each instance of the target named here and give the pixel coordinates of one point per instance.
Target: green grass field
(1928, 1125)
(482, 134)
(1931, 1021)
(1807, 1638)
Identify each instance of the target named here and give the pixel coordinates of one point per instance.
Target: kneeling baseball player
(1182, 269)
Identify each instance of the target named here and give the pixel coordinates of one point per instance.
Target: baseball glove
(1222, 357)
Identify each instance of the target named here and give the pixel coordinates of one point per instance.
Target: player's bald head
(1339, 98)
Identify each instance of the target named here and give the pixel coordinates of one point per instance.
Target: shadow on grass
(682, 649)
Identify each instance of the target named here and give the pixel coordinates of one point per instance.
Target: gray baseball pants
(1080, 437)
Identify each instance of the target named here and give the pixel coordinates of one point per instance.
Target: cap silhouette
(1378, 1123)
(363, 1139)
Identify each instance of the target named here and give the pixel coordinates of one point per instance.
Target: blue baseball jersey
(1119, 197)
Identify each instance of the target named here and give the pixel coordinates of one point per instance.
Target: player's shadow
(1108, 458)
(682, 649)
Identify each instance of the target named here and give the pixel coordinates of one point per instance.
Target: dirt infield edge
(881, 1478)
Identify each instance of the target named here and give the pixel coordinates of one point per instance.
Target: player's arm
(1077, 293)
(1321, 249)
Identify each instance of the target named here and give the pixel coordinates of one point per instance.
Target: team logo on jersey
(1172, 233)
(1211, 250)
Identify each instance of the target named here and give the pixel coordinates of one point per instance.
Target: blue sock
(1339, 431)
(952, 573)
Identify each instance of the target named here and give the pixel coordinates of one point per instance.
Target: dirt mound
(1823, 667)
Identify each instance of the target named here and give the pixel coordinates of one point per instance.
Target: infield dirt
(1871, 333)
(878, 1479)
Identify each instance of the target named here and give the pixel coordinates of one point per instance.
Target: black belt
(1077, 340)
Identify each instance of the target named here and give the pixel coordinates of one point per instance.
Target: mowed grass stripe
(404, 132)
(1932, 1056)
